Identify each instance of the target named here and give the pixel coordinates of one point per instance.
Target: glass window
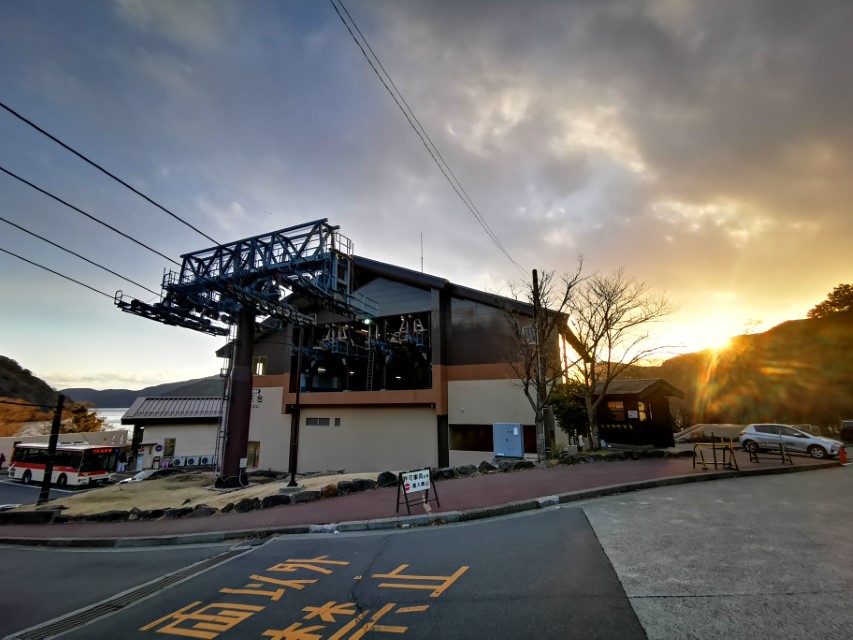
(645, 411)
(317, 422)
(617, 410)
(259, 365)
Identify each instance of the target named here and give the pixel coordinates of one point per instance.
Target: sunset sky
(703, 146)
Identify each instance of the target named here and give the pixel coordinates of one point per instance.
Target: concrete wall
(375, 439)
(190, 440)
(271, 428)
(487, 402)
(458, 458)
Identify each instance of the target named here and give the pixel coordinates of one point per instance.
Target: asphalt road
(16, 492)
(765, 557)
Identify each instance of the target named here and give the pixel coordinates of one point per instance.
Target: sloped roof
(173, 409)
(640, 388)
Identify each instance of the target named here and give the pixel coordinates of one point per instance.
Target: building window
(645, 411)
(617, 410)
(317, 422)
(168, 447)
(337, 422)
(259, 365)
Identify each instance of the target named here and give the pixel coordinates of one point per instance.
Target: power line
(101, 169)
(431, 148)
(17, 226)
(27, 404)
(80, 211)
(35, 264)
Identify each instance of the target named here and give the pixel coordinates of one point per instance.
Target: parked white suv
(769, 436)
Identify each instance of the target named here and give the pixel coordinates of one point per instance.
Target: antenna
(422, 251)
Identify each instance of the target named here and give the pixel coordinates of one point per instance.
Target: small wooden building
(637, 413)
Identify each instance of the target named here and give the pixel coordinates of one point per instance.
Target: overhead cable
(91, 217)
(427, 142)
(102, 170)
(17, 226)
(35, 264)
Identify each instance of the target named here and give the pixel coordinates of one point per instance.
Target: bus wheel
(27, 477)
(62, 481)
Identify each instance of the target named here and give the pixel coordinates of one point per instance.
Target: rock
(306, 496)
(329, 491)
(466, 470)
(108, 516)
(523, 464)
(177, 512)
(200, 511)
(153, 514)
(135, 514)
(275, 501)
(228, 508)
(247, 504)
(345, 486)
(387, 479)
(187, 501)
(486, 467)
(506, 465)
(363, 484)
(445, 473)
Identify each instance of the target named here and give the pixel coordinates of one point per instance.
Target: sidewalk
(461, 499)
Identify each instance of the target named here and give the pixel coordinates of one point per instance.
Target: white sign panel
(415, 480)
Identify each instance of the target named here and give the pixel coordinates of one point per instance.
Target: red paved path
(459, 494)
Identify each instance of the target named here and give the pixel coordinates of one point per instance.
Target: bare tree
(610, 315)
(536, 322)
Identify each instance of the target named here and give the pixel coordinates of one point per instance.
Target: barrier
(727, 454)
(783, 452)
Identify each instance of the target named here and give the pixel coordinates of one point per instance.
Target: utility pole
(44, 495)
(540, 380)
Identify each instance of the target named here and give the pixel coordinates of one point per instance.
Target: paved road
(768, 557)
(16, 492)
(763, 557)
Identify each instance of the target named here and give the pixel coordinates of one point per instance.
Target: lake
(113, 419)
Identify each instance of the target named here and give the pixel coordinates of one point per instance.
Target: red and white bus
(74, 464)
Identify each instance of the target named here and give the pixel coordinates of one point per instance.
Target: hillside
(19, 383)
(800, 371)
(210, 386)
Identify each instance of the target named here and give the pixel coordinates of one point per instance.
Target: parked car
(152, 474)
(769, 436)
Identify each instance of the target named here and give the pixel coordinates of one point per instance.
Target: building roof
(640, 388)
(199, 409)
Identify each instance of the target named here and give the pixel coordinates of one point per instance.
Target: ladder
(371, 360)
(223, 415)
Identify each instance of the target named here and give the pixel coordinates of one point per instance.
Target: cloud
(195, 23)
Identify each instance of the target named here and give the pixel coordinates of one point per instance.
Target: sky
(704, 146)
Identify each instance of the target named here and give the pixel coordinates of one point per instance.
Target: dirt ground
(188, 489)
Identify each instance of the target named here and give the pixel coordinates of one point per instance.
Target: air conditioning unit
(205, 460)
(192, 461)
(179, 462)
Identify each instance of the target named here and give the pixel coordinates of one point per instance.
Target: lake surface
(113, 419)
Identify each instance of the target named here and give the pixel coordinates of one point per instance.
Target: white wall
(369, 439)
(271, 428)
(190, 440)
(487, 402)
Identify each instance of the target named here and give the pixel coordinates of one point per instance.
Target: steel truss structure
(232, 284)
(213, 285)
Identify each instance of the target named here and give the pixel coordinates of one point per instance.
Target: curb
(403, 522)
